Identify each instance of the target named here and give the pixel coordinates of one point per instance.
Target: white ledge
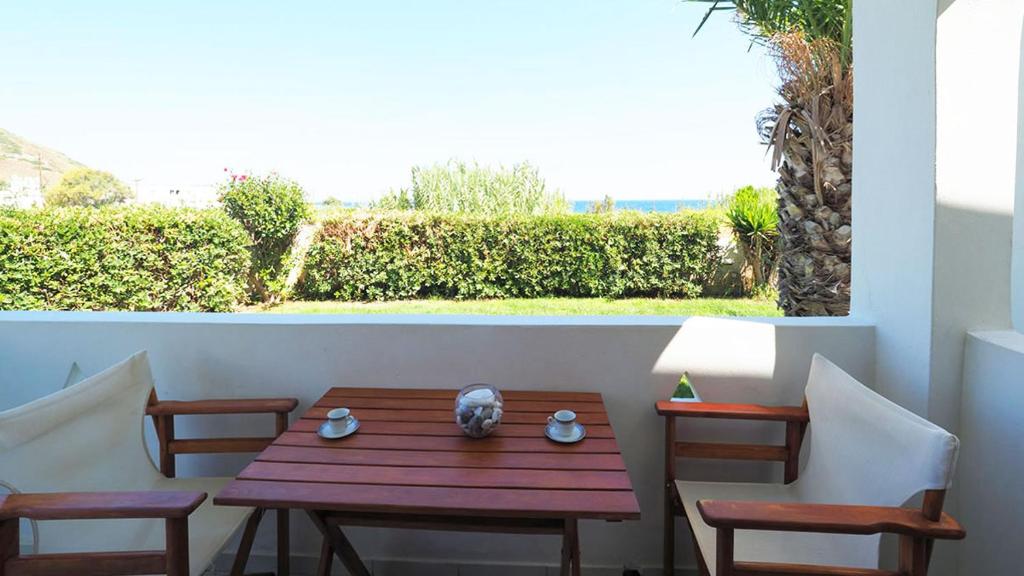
(396, 319)
(1008, 339)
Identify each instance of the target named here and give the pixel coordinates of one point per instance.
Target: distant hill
(21, 160)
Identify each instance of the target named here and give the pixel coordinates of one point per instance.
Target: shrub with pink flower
(271, 208)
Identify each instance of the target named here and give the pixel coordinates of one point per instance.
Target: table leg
(245, 546)
(283, 542)
(326, 559)
(342, 547)
(177, 546)
(570, 549)
(576, 566)
(702, 567)
(566, 556)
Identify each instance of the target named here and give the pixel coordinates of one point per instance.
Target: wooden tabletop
(409, 457)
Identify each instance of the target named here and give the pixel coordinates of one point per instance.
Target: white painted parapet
(211, 355)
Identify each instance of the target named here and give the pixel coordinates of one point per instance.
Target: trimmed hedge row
(409, 255)
(139, 258)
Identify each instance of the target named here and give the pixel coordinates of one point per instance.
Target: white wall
(1018, 226)
(201, 356)
(978, 96)
(937, 93)
(977, 93)
(991, 469)
(894, 189)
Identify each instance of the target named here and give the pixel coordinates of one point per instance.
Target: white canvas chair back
(865, 449)
(87, 437)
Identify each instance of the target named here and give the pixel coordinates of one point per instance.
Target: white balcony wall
(937, 96)
(1018, 220)
(978, 85)
(632, 362)
(894, 189)
(991, 469)
(978, 108)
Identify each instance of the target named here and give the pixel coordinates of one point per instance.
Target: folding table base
(336, 544)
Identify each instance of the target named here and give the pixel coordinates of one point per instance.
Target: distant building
(24, 192)
(21, 192)
(186, 195)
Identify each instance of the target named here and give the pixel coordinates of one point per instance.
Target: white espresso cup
(339, 419)
(563, 422)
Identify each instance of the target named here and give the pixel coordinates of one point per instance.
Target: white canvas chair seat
(864, 450)
(89, 438)
(764, 546)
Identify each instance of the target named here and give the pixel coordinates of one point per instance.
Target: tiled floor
(307, 566)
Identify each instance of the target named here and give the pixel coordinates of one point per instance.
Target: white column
(978, 57)
(937, 149)
(894, 189)
(1018, 219)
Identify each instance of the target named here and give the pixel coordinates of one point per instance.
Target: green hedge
(409, 255)
(138, 258)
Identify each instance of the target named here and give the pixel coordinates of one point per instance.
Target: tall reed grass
(461, 188)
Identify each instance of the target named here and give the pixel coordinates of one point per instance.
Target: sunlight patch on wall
(720, 348)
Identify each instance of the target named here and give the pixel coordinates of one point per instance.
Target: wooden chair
(867, 458)
(58, 452)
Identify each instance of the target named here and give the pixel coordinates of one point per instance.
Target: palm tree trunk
(812, 137)
(814, 225)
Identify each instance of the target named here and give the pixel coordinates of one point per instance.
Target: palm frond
(716, 5)
(815, 19)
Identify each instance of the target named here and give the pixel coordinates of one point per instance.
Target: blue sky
(604, 96)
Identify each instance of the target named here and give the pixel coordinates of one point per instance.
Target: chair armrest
(826, 518)
(733, 411)
(100, 505)
(223, 406)
(164, 411)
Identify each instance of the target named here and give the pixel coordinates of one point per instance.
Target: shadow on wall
(1017, 279)
(971, 291)
(743, 362)
(739, 354)
(991, 421)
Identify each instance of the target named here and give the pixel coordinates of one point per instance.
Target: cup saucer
(578, 433)
(324, 431)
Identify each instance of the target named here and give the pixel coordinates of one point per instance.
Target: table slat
(448, 443)
(511, 503)
(448, 404)
(512, 417)
(552, 461)
(438, 477)
(541, 395)
(377, 427)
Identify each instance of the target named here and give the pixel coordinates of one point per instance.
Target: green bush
(607, 204)
(460, 188)
(87, 187)
(140, 258)
(387, 256)
(271, 209)
(753, 214)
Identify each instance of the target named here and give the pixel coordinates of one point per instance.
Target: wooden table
(410, 466)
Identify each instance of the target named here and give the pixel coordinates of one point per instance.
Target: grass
(541, 307)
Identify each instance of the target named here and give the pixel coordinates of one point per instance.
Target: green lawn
(541, 307)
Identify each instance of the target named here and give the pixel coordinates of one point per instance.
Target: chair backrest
(865, 449)
(87, 437)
